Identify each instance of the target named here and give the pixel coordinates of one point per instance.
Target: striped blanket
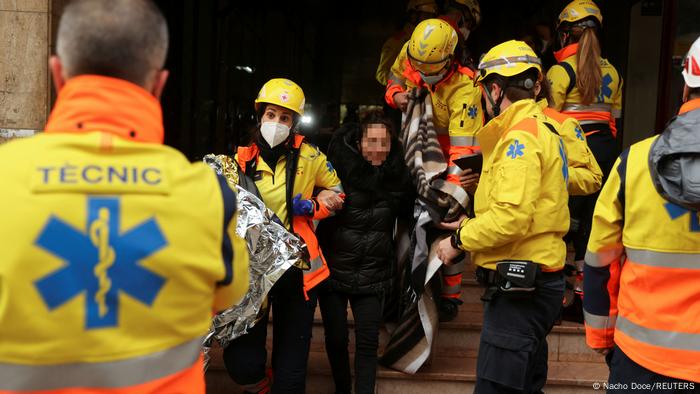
(411, 341)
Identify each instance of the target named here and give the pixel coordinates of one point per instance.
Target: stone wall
(24, 79)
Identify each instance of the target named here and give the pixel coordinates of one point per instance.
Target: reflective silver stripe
(453, 170)
(616, 113)
(315, 264)
(453, 269)
(604, 258)
(509, 62)
(660, 338)
(111, 374)
(601, 107)
(599, 322)
(587, 122)
(463, 141)
(452, 289)
(665, 260)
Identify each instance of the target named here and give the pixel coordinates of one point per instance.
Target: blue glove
(302, 207)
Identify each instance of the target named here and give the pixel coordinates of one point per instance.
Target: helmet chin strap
(495, 105)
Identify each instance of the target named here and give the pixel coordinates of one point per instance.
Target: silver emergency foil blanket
(271, 248)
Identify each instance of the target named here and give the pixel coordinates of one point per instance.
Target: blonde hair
(589, 76)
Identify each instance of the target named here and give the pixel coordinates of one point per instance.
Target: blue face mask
(432, 79)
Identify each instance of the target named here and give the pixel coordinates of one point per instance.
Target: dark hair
(125, 39)
(693, 93)
(545, 92)
(515, 87)
(377, 117)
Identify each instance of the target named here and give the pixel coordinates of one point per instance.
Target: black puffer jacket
(358, 241)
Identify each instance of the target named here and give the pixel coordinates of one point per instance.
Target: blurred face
(276, 114)
(375, 144)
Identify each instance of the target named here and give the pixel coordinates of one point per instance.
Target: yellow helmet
(431, 45)
(580, 9)
(509, 59)
(474, 9)
(282, 92)
(428, 6)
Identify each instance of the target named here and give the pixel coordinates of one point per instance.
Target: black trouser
(626, 376)
(245, 357)
(513, 345)
(604, 148)
(367, 312)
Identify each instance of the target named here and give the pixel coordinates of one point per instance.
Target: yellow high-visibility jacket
(117, 250)
(390, 50)
(521, 201)
(457, 112)
(567, 98)
(585, 176)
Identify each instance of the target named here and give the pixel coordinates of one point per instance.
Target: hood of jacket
(355, 171)
(674, 161)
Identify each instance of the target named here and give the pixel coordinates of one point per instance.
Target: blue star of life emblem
(565, 162)
(473, 111)
(605, 90)
(101, 263)
(330, 167)
(579, 134)
(515, 149)
(676, 211)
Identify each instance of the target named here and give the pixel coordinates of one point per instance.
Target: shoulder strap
(572, 76)
(622, 173)
(551, 128)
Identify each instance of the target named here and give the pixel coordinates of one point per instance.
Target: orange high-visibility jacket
(642, 270)
(309, 169)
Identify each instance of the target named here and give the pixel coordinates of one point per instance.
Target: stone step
(445, 375)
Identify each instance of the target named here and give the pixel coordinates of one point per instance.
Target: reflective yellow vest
(116, 252)
(642, 270)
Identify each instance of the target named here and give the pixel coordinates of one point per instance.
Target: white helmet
(691, 66)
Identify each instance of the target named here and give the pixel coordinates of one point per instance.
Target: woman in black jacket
(358, 244)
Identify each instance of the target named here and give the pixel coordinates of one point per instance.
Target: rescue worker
(416, 11)
(463, 16)
(642, 267)
(585, 177)
(121, 249)
(286, 170)
(589, 88)
(515, 239)
(430, 64)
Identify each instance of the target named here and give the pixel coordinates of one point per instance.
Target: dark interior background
(330, 48)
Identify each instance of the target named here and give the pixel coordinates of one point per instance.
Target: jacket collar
(689, 105)
(96, 103)
(489, 135)
(566, 52)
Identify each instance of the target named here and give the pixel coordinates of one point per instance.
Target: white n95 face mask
(432, 79)
(274, 133)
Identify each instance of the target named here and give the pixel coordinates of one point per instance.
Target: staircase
(573, 367)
